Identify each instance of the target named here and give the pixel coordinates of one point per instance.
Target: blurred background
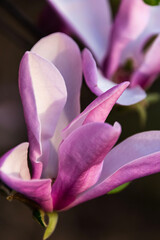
(133, 213)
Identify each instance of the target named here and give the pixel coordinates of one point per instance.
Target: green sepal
(119, 189)
(52, 222)
(142, 112)
(153, 98)
(141, 107)
(152, 2)
(39, 216)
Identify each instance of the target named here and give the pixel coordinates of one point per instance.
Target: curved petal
(98, 110)
(152, 28)
(133, 50)
(138, 156)
(91, 72)
(129, 97)
(14, 162)
(150, 67)
(129, 24)
(80, 160)
(99, 84)
(90, 19)
(43, 94)
(15, 174)
(64, 53)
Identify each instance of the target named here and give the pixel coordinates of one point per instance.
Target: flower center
(124, 72)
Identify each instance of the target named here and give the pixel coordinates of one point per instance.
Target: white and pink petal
(14, 172)
(136, 157)
(150, 67)
(99, 84)
(90, 20)
(43, 95)
(64, 53)
(98, 110)
(81, 157)
(128, 25)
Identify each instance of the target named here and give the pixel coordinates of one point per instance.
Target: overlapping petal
(134, 49)
(130, 31)
(14, 173)
(43, 94)
(90, 19)
(81, 159)
(98, 110)
(150, 67)
(99, 84)
(128, 25)
(136, 157)
(64, 53)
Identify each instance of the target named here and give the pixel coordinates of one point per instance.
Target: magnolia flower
(66, 164)
(119, 47)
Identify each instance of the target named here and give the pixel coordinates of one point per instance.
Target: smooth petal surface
(128, 25)
(150, 67)
(43, 95)
(14, 165)
(134, 49)
(99, 84)
(152, 28)
(98, 110)
(15, 174)
(81, 159)
(90, 19)
(64, 53)
(154, 19)
(136, 157)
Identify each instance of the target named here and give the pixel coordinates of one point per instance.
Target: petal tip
(117, 126)
(126, 84)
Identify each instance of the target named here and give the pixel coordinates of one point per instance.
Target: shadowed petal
(64, 53)
(129, 24)
(80, 160)
(129, 97)
(149, 68)
(136, 157)
(50, 21)
(43, 94)
(14, 162)
(152, 28)
(90, 19)
(99, 84)
(15, 174)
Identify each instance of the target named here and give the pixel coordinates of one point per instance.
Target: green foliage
(52, 222)
(40, 216)
(152, 2)
(142, 107)
(119, 189)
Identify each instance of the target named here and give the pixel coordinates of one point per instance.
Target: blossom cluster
(70, 155)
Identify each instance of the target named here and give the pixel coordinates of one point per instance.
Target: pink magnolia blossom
(115, 44)
(71, 153)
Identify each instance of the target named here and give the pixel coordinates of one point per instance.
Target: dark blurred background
(131, 214)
